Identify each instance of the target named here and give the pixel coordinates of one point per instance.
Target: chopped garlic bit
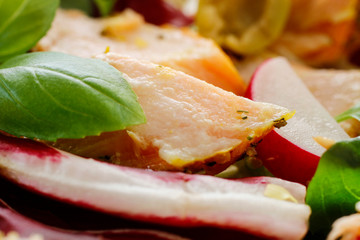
(141, 43)
(278, 192)
(324, 142)
(357, 206)
(128, 20)
(15, 236)
(251, 152)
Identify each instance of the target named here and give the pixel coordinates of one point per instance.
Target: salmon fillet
(192, 126)
(336, 90)
(74, 33)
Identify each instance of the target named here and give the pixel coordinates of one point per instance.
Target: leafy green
(90, 7)
(353, 112)
(23, 23)
(242, 169)
(335, 188)
(105, 6)
(48, 95)
(86, 6)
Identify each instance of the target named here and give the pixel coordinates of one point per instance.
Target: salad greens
(23, 23)
(334, 189)
(48, 95)
(353, 112)
(105, 6)
(247, 167)
(86, 6)
(90, 7)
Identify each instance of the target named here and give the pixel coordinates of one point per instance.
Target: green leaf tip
(334, 189)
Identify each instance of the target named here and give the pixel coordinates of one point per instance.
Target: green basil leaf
(23, 23)
(353, 112)
(48, 95)
(335, 187)
(105, 6)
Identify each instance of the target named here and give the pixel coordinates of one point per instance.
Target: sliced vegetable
(334, 190)
(291, 152)
(15, 226)
(160, 197)
(23, 23)
(54, 95)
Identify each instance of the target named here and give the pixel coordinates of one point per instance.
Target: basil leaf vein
(48, 96)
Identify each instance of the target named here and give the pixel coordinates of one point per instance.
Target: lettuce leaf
(335, 187)
(353, 112)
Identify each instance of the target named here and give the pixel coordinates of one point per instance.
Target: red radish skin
(283, 164)
(282, 156)
(157, 12)
(160, 197)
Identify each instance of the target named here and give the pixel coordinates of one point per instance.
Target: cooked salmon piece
(74, 33)
(318, 31)
(337, 91)
(192, 126)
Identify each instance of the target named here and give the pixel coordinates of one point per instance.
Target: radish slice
(291, 152)
(12, 223)
(162, 197)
